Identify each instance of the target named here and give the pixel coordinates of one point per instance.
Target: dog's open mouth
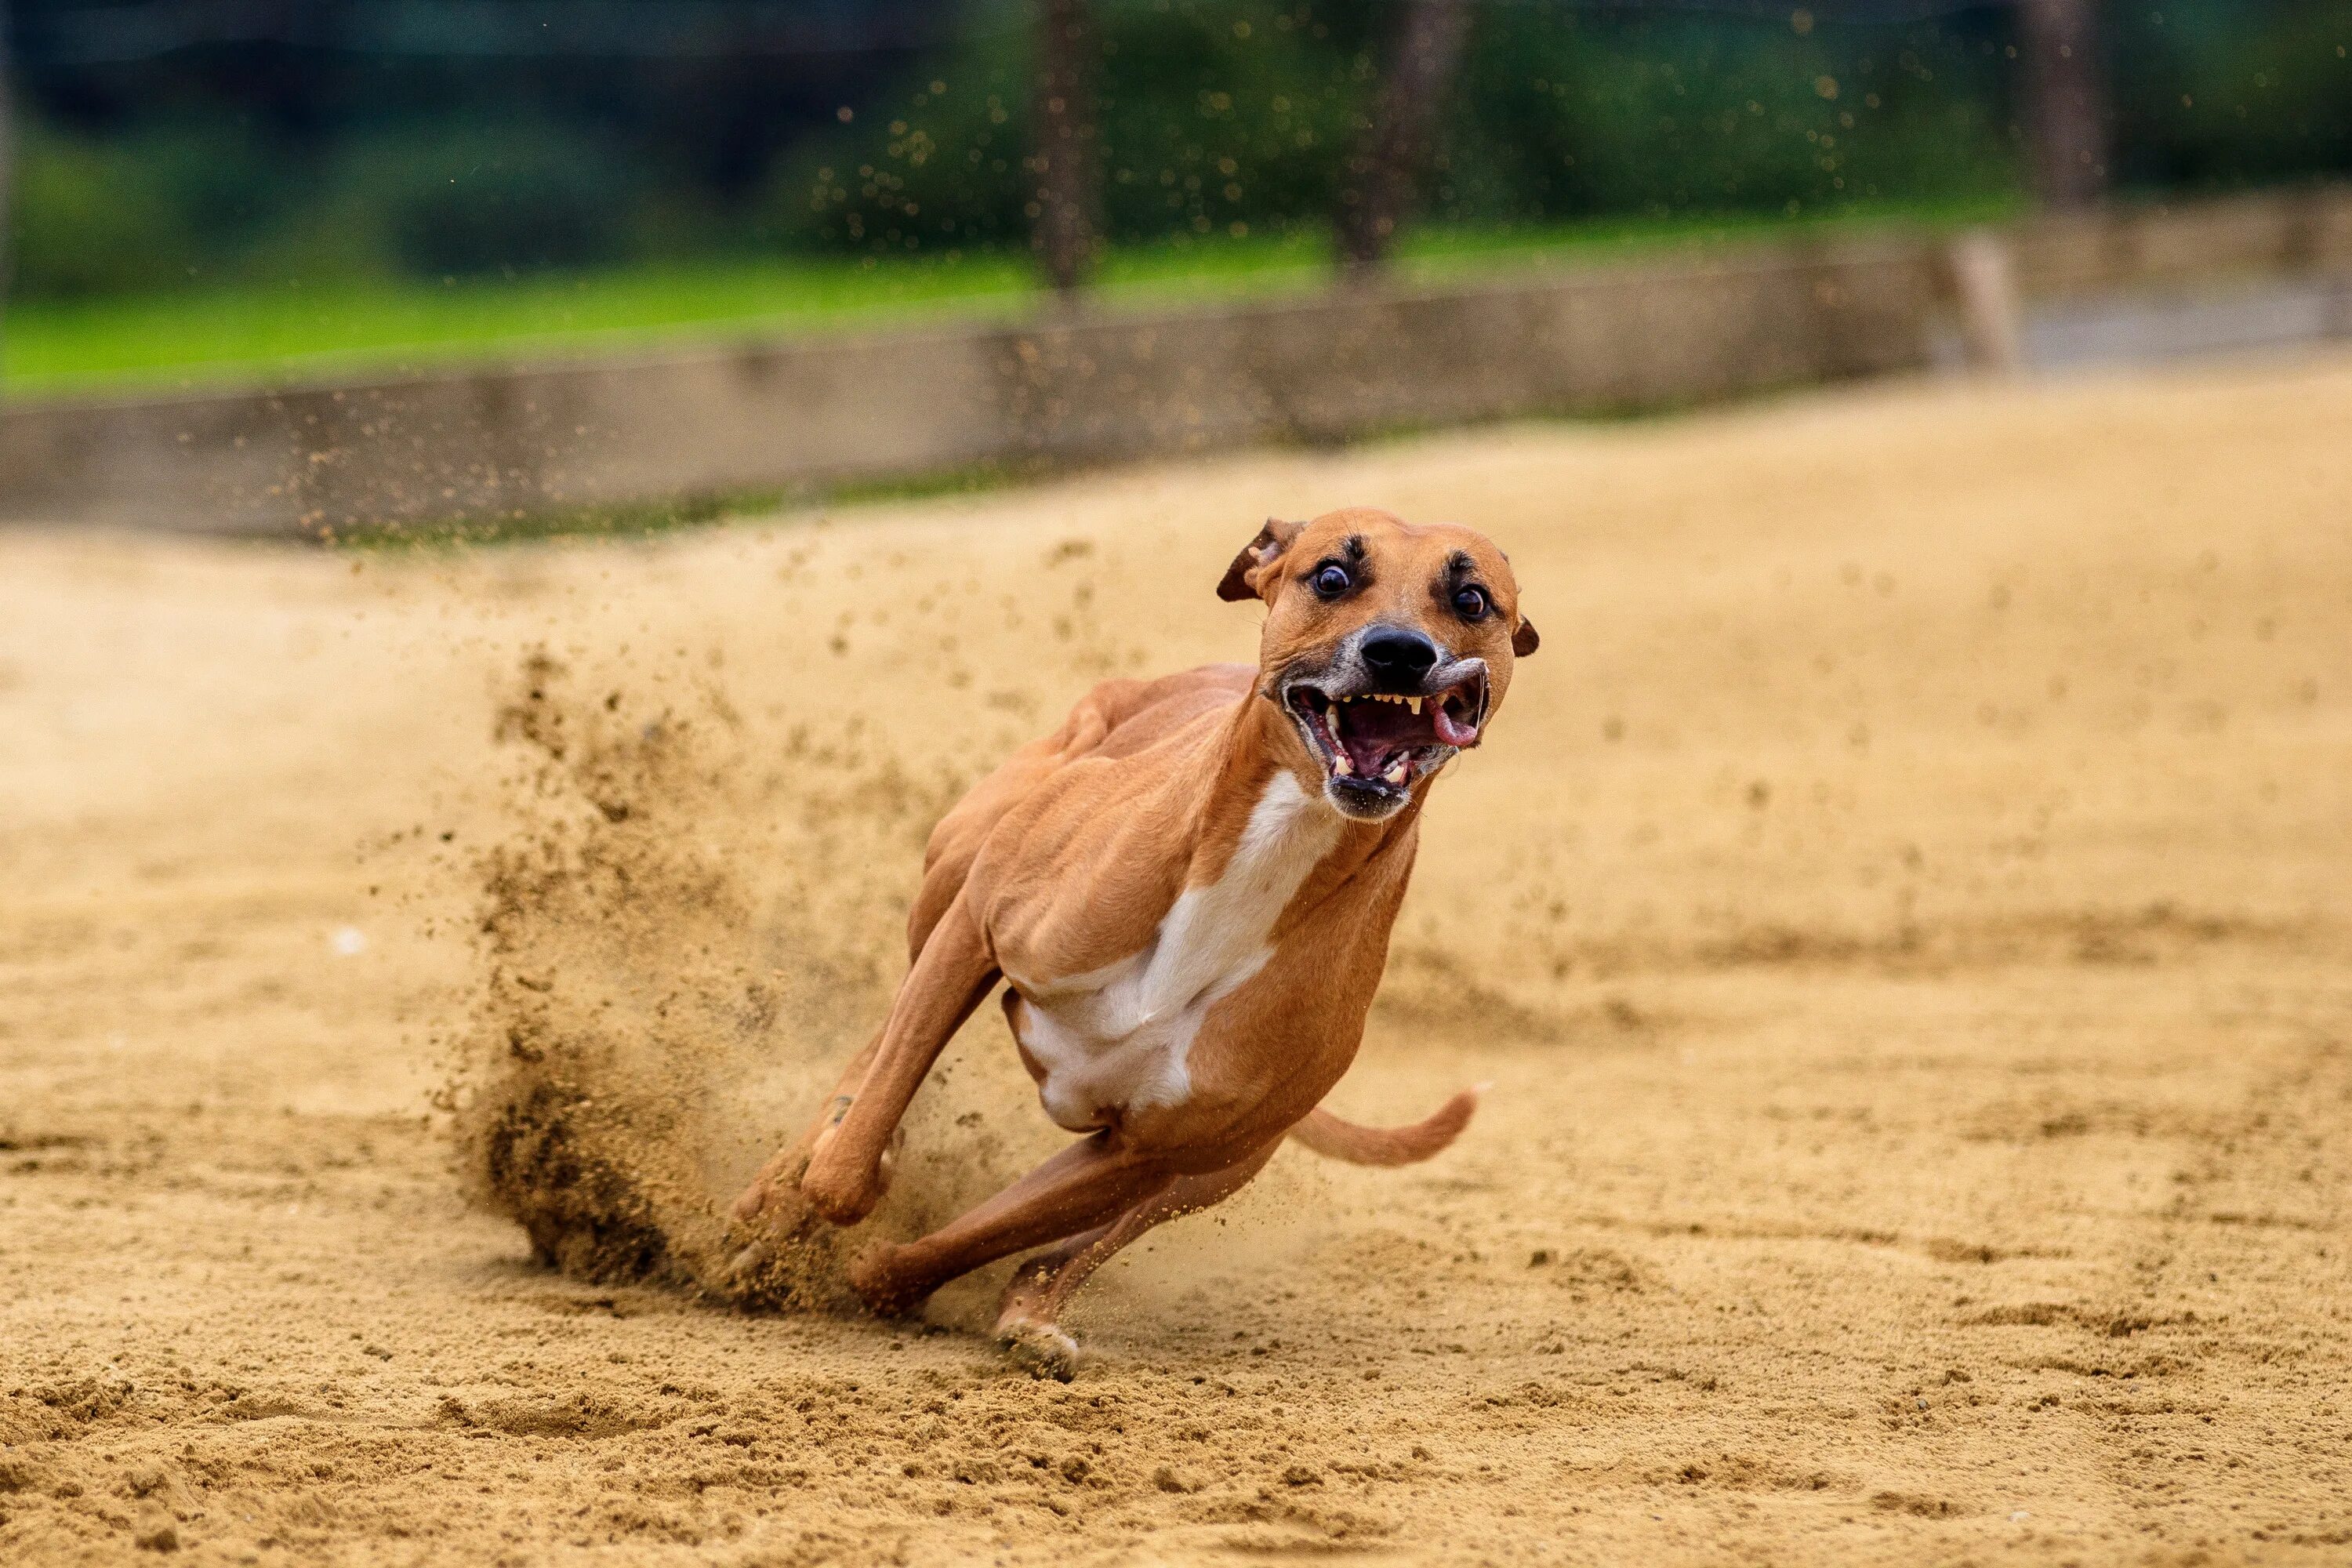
(1380, 742)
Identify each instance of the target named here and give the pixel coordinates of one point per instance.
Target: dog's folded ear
(1254, 567)
(1524, 641)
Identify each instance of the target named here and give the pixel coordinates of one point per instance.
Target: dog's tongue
(1373, 732)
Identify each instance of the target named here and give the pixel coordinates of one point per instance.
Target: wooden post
(1984, 286)
(1066, 156)
(1423, 54)
(2065, 101)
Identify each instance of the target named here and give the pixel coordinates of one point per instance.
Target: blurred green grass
(234, 336)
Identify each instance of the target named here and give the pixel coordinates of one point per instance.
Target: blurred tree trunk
(1424, 50)
(1066, 157)
(2065, 101)
(7, 181)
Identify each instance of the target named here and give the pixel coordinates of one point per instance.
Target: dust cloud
(661, 1002)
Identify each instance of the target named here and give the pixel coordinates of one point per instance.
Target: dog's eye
(1470, 603)
(1332, 580)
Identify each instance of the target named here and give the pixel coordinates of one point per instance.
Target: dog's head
(1388, 646)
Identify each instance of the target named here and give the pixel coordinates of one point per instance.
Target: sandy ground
(1902, 909)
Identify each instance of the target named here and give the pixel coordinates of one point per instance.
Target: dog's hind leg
(1028, 1318)
(950, 977)
(1090, 1183)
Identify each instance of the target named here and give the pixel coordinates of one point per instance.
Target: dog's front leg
(954, 973)
(778, 1180)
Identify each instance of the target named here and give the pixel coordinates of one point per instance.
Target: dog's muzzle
(1384, 715)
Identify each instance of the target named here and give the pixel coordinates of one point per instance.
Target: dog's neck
(1257, 751)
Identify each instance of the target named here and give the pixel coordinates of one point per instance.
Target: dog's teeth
(1413, 704)
(1342, 766)
(1395, 775)
(1331, 722)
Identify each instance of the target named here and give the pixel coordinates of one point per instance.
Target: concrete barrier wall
(2128, 246)
(828, 409)
(778, 414)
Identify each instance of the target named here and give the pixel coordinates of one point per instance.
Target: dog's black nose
(1397, 657)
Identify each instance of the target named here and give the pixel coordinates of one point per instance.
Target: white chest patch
(1118, 1036)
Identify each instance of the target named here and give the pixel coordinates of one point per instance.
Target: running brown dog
(1188, 890)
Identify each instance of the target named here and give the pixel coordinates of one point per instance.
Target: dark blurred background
(161, 141)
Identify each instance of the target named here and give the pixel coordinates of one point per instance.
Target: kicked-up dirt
(1902, 911)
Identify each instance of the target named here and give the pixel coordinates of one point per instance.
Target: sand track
(1901, 908)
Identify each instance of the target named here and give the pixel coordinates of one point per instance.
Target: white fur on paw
(1045, 1349)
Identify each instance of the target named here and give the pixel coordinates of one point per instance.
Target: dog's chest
(1118, 1038)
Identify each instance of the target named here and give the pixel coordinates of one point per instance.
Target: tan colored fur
(1191, 930)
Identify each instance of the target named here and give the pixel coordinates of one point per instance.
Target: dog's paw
(765, 1222)
(771, 1221)
(886, 1292)
(768, 1190)
(843, 1199)
(844, 1191)
(1045, 1349)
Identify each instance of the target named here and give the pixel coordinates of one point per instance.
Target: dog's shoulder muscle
(1115, 720)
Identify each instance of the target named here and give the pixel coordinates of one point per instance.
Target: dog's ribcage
(1118, 1036)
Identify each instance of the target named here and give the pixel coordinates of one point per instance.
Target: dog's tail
(1334, 1138)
